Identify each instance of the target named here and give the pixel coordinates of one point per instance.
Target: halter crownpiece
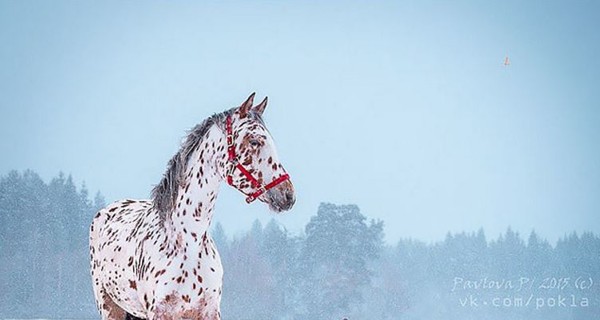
(235, 164)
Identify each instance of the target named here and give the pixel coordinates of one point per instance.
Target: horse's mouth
(280, 201)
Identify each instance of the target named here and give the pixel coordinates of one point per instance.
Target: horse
(154, 259)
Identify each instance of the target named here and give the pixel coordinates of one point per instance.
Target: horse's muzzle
(282, 197)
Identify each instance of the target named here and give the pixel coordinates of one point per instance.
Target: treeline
(322, 274)
(44, 269)
(339, 267)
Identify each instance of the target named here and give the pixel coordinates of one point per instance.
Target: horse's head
(251, 163)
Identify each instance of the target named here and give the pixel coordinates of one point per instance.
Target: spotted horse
(154, 259)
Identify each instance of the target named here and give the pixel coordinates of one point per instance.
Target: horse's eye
(254, 143)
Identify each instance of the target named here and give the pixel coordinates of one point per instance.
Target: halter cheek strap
(235, 164)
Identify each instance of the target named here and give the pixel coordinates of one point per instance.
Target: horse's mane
(164, 194)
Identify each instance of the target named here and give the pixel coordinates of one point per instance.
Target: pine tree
(99, 201)
(220, 238)
(338, 246)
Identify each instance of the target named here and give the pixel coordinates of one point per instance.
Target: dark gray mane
(164, 195)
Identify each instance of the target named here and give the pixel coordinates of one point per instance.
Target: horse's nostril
(290, 199)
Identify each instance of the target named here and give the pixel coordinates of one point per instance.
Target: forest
(339, 267)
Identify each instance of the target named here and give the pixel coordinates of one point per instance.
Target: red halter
(235, 164)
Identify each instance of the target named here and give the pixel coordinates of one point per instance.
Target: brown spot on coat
(114, 311)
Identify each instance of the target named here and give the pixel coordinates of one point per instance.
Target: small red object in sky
(506, 61)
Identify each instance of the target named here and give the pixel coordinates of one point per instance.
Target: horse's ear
(260, 108)
(246, 106)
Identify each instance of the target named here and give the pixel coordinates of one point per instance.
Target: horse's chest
(189, 280)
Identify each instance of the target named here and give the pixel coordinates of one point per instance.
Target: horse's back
(119, 218)
(118, 229)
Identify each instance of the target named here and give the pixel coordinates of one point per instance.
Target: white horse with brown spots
(154, 259)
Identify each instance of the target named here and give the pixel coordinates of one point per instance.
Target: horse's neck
(196, 197)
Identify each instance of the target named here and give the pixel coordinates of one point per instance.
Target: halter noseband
(235, 164)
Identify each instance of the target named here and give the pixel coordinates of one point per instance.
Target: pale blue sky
(403, 108)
